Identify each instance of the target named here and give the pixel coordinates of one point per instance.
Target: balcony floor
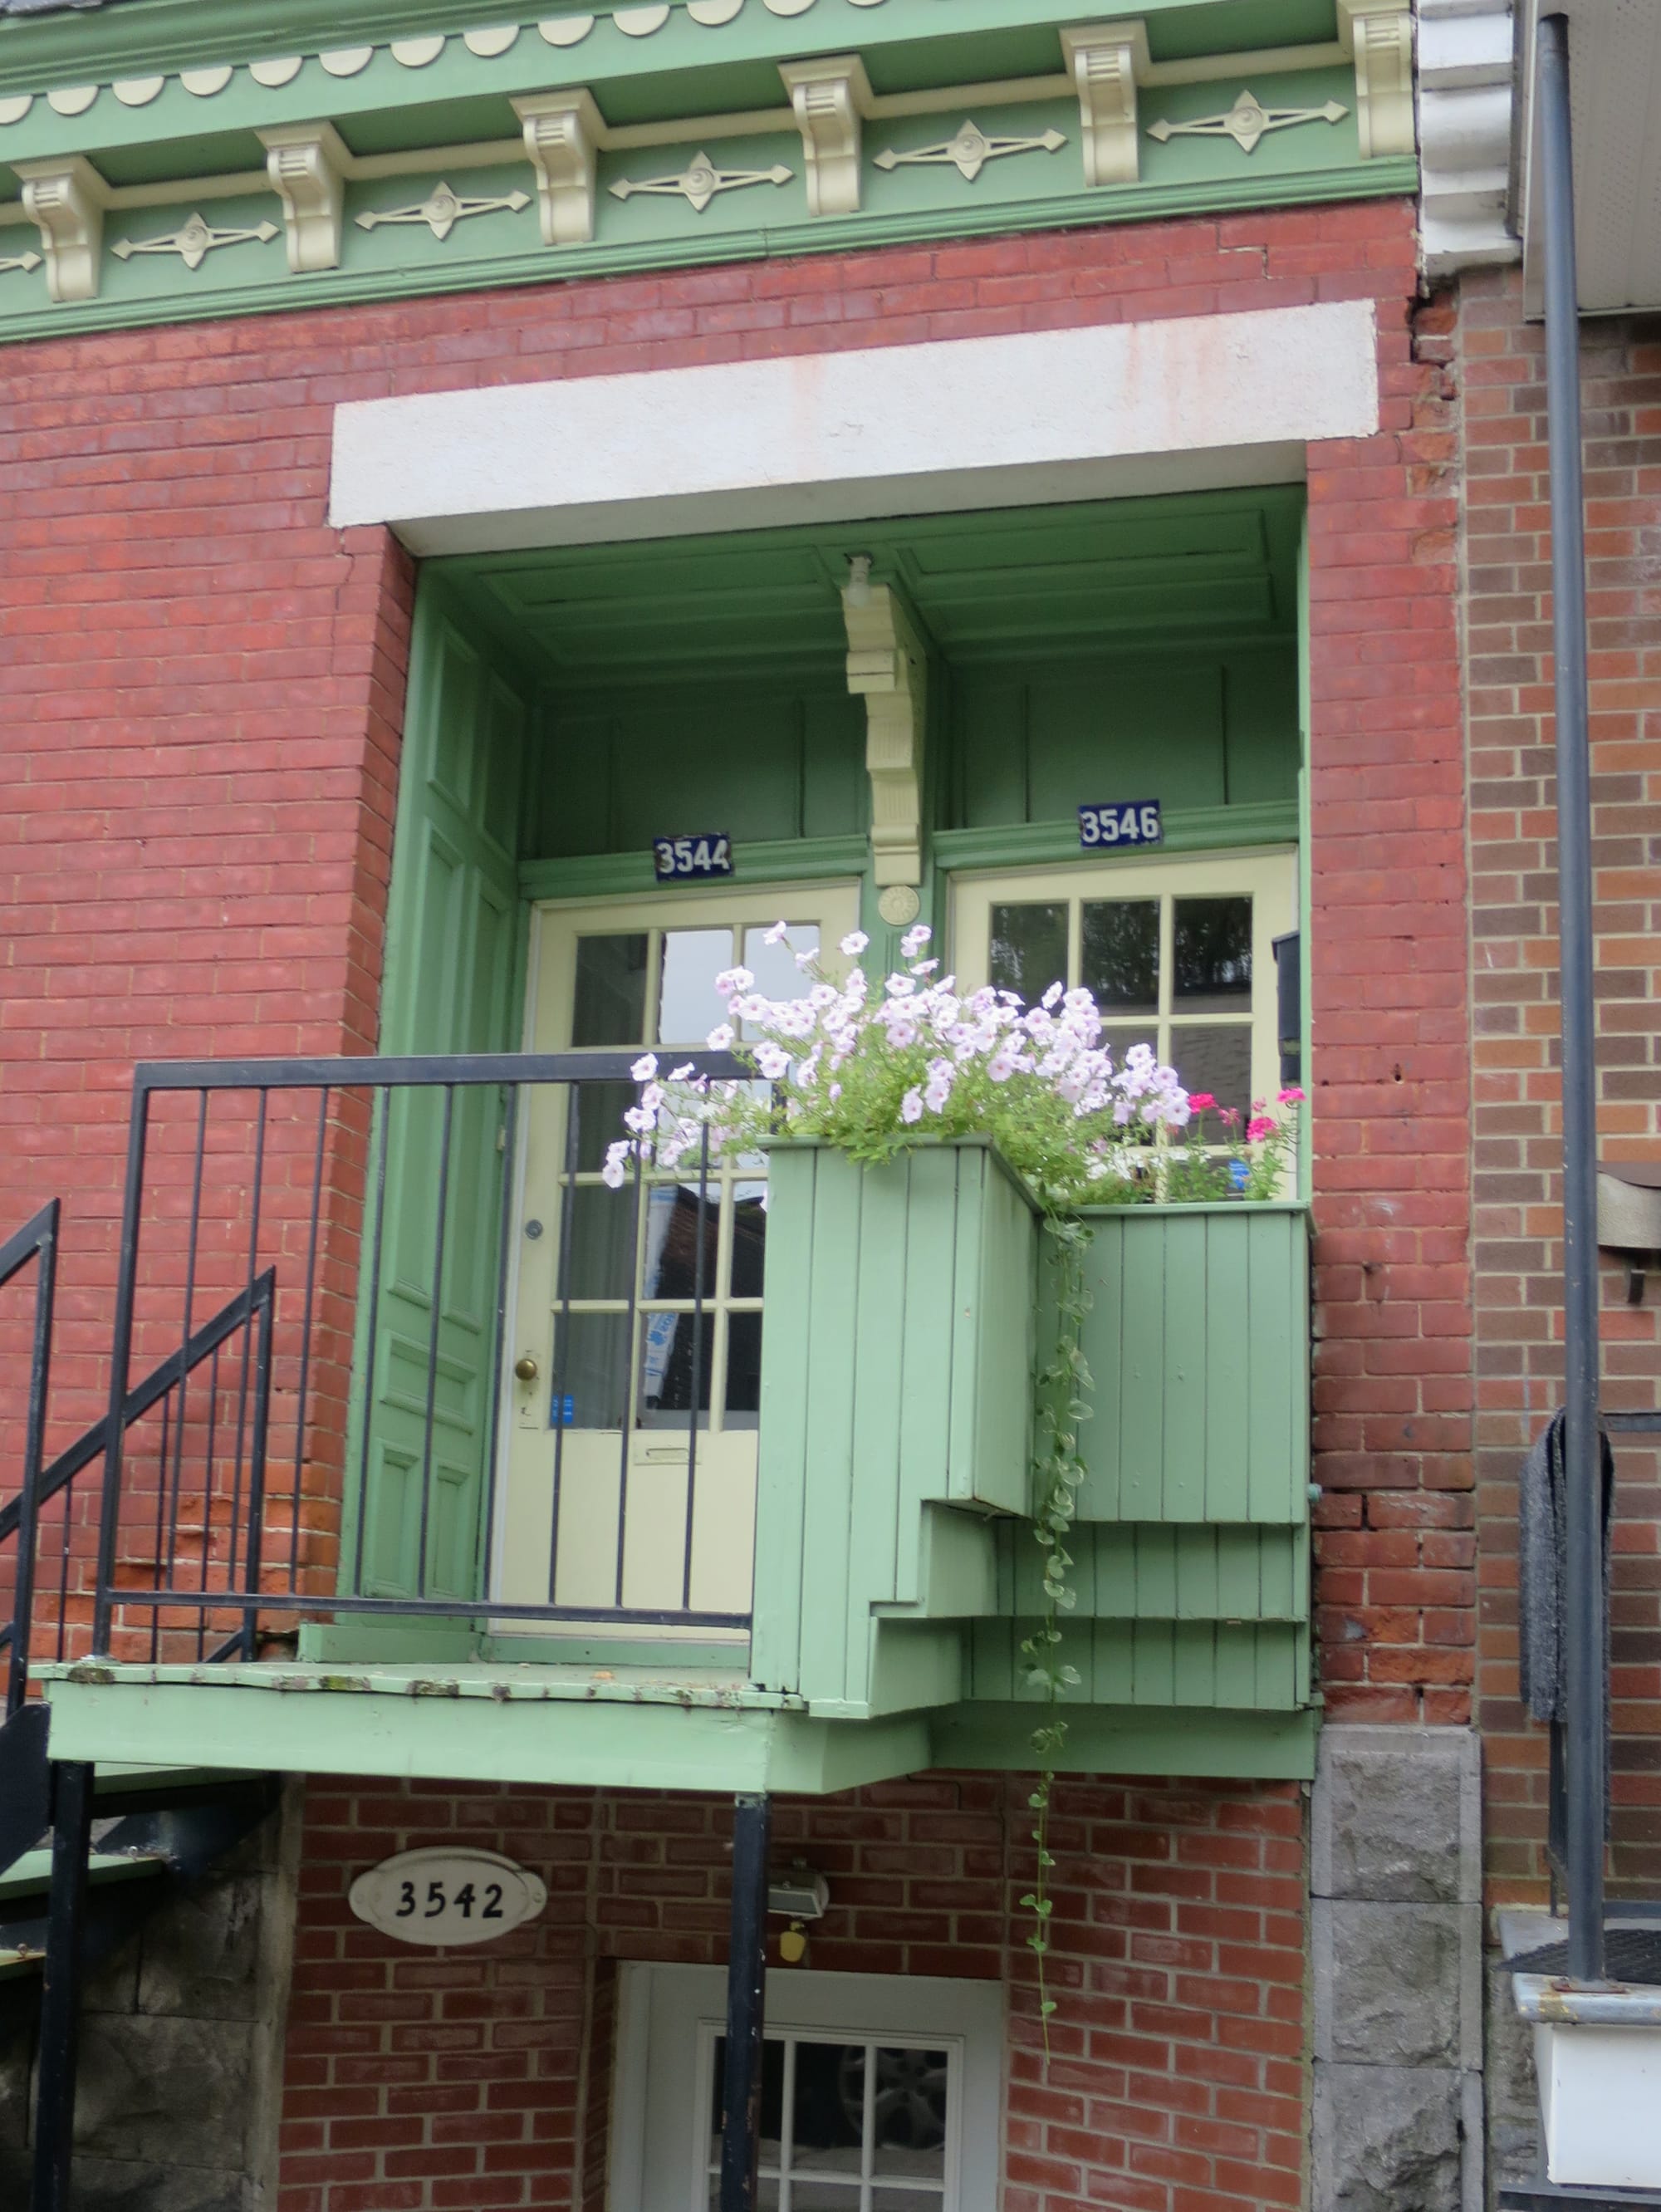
(689, 1726)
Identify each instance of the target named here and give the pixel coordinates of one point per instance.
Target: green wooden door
(451, 984)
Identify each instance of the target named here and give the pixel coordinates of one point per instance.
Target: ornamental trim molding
(700, 181)
(1379, 36)
(1247, 122)
(969, 152)
(1105, 61)
(24, 261)
(306, 164)
(442, 210)
(66, 202)
(563, 133)
(887, 667)
(829, 98)
(195, 239)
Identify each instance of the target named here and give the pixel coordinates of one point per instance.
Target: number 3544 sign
(447, 1897)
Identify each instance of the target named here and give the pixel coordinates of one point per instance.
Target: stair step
(32, 1873)
(19, 1961)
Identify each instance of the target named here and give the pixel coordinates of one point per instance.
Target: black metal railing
(351, 1222)
(36, 1242)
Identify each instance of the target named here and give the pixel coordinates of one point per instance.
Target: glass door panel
(1178, 955)
(632, 1404)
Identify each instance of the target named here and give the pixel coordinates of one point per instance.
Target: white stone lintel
(946, 426)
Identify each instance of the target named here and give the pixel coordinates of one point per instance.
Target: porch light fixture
(800, 1892)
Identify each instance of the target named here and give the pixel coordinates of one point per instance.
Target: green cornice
(312, 178)
(1394, 178)
(161, 34)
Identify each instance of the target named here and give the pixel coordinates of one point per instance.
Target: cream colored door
(1178, 953)
(629, 1483)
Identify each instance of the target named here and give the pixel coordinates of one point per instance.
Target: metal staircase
(85, 1855)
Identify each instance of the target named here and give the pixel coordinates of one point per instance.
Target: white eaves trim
(1033, 418)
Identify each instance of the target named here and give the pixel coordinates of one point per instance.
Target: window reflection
(1212, 970)
(1028, 949)
(1119, 954)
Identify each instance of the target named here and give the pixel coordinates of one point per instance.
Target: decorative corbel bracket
(887, 667)
(1379, 35)
(1104, 61)
(563, 131)
(66, 200)
(306, 164)
(830, 96)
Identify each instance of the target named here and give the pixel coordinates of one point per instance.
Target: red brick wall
(425, 2081)
(204, 689)
(1517, 1248)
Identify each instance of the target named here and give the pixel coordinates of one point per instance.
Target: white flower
(644, 1068)
(680, 1074)
(773, 1061)
(911, 1106)
(915, 938)
(776, 934)
(854, 943)
(732, 982)
(720, 1037)
(1052, 997)
(612, 1173)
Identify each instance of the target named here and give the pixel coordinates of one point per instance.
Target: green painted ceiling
(1217, 568)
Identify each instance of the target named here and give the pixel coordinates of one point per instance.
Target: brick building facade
(221, 701)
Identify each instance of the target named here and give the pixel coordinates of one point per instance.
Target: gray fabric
(1542, 1553)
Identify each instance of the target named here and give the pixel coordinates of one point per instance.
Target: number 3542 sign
(447, 1897)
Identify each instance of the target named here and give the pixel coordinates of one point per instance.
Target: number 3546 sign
(447, 1897)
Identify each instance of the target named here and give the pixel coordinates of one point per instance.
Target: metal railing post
(747, 1982)
(1584, 1643)
(43, 1232)
(60, 1995)
(109, 1524)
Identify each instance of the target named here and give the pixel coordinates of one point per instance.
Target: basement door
(880, 2093)
(608, 1516)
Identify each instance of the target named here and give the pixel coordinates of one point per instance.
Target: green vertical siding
(1198, 1345)
(895, 1382)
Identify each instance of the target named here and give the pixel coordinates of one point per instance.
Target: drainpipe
(1584, 1643)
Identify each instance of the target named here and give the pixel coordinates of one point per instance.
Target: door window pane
(773, 966)
(1028, 949)
(743, 1398)
(675, 1219)
(611, 997)
(1216, 1057)
(749, 1229)
(1212, 963)
(590, 1368)
(1119, 954)
(666, 1350)
(599, 1108)
(688, 1006)
(908, 2115)
(601, 1251)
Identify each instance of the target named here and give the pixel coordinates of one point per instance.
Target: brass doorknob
(526, 1368)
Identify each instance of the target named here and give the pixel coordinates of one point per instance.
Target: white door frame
(667, 2015)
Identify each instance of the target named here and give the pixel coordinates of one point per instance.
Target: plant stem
(1060, 1395)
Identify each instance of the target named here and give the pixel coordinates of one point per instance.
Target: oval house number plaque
(447, 1897)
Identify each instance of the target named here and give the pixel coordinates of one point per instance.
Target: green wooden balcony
(895, 1573)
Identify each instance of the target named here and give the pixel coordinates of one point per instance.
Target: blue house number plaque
(1125, 822)
(684, 859)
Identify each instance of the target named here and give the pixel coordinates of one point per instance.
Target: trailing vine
(1061, 1407)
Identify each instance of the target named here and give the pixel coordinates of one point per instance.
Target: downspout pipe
(1584, 1643)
